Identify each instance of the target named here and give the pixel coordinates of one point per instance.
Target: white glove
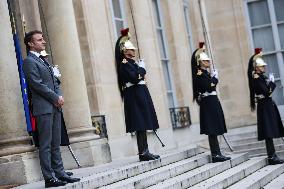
(271, 77)
(56, 71)
(141, 63)
(215, 73)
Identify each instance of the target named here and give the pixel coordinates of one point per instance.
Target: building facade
(81, 36)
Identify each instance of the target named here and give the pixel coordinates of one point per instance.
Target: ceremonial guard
(212, 122)
(140, 114)
(269, 124)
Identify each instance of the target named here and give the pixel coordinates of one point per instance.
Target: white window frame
(123, 19)
(278, 51)
(187, 23)
(166, 58)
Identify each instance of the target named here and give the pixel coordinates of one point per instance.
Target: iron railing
(99, 122)
(180, 117)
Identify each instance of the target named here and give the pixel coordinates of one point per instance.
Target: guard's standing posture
(47, 103)
(140, 114)
(269, 124)
(212, 122)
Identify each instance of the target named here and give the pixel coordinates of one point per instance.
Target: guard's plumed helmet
(125, 43)
(203, 56)
(200, 53)
(257, 59)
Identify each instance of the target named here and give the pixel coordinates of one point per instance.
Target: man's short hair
(29, 37)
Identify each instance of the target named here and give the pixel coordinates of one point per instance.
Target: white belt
(261, 96)
(142, 82)
(208, 94)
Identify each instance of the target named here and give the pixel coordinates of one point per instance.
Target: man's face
(37, 44)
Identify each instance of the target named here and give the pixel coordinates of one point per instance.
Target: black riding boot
(273, 159)
(215, 150)
(144, 154)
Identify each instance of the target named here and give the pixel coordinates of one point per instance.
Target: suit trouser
(142, 141)
(214, 145)
(270, 147)
(49, 128)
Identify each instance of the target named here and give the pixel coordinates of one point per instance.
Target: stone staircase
(245, 140)
(183, 168)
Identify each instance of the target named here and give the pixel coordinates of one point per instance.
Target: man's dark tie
(46, 63)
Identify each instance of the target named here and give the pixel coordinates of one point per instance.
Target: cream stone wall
(180, 55)
(82, 38)
(228, 34)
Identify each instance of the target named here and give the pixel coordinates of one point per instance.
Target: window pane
(170, 99)
(161, 43)
(156, 13)
(281, 34)
(258, 13)
(277, 94)
(116, 8)
(272, 64)
(119, 26)
(279, 6)
(263, 38)
(165, 66)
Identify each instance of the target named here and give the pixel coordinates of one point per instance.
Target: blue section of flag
(22, 82)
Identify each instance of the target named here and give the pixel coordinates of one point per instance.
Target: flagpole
(134, 26)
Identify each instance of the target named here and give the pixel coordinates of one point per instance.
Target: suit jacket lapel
(46, 64)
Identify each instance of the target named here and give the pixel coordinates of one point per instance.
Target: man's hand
(60, 102)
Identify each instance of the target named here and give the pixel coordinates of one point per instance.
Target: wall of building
(82, 38)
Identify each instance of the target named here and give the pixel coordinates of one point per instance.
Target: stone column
(13, 133)
(63, 37)
(102, 78)
(64, 42)
(143, 16)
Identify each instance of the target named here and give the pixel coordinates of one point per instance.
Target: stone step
(244, 129)
(125, 172)
(94, 179)
(255, 144)
(240, 141)
(233, 175)
(260, 150)
(200, 174)
(277, 183)
(260, 178)
(280, 153)
(152, 177)
(241, 135)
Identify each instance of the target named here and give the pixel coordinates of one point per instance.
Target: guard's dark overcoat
(269, 122)
(139, 110)
(212, 121)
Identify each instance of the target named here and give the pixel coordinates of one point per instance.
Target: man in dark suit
(47, 101)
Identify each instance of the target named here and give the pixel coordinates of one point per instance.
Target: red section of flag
(33, 123)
